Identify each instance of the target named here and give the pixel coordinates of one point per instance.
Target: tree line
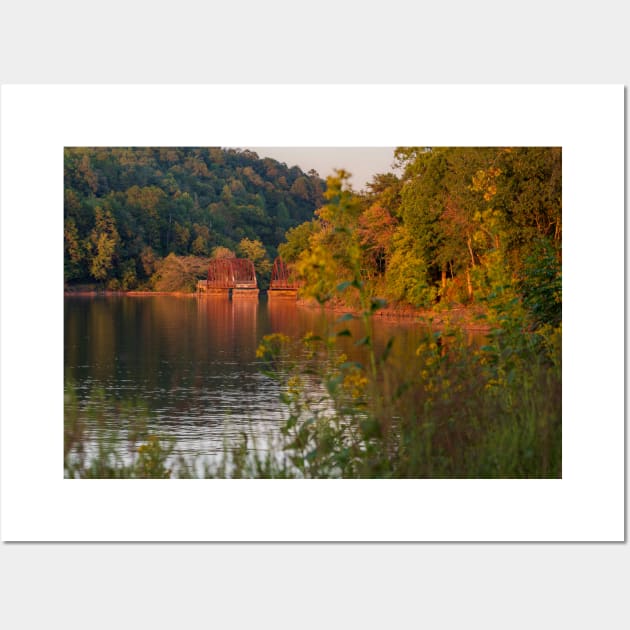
(133, 217)
(459, 226)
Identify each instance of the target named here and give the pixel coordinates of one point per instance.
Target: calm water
(189, 364)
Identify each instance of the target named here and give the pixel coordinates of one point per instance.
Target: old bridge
(282, 283)
(237, 277)
(230, 276)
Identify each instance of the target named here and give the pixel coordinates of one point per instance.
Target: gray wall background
(313, 586)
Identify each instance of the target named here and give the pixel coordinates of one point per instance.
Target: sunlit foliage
(459, 227)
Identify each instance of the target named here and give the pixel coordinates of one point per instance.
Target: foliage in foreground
(126, 451)
(457, 412)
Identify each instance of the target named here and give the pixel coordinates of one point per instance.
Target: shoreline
(464, 317)
(106, 293)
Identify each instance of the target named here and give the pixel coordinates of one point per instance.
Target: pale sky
(362, 162)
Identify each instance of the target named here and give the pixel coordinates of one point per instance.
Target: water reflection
(192, 361)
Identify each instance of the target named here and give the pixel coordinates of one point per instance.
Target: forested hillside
(461, 226)
(133, 214)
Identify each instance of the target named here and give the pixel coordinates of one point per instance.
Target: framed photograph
(312, 313)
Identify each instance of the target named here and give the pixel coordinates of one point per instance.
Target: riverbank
(465, 317)
(91, 290)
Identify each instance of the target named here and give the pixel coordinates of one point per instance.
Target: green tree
(199, 246)
(222, 252)
(282, 215)
(540, 284)
(129, 279)
(297, 240)
(333, 254)
(73, 250)
(181, 238)
(472, 211)
(376, 227)
(148, 261)
(102, 244)
(338, 220)
(319, 271)
(406, 276)
(255, 251)
(300, 188)
(423, 199)
(179, 273)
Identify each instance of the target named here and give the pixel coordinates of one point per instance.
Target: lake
(187, 365)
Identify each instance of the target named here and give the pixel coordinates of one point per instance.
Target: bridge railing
(231, 273)
(281, 277)
(220, 274)
(244, 273)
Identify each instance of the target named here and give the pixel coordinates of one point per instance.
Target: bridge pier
(245, 293)
(282, 294)
(219, 292)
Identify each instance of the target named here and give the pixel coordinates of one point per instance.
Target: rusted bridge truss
(281, 277)
(231, 273)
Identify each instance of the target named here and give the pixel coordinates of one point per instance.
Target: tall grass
(92, 446)
(457, 412)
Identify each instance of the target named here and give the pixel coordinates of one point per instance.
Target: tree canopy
(126, 209)
(460, 226)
